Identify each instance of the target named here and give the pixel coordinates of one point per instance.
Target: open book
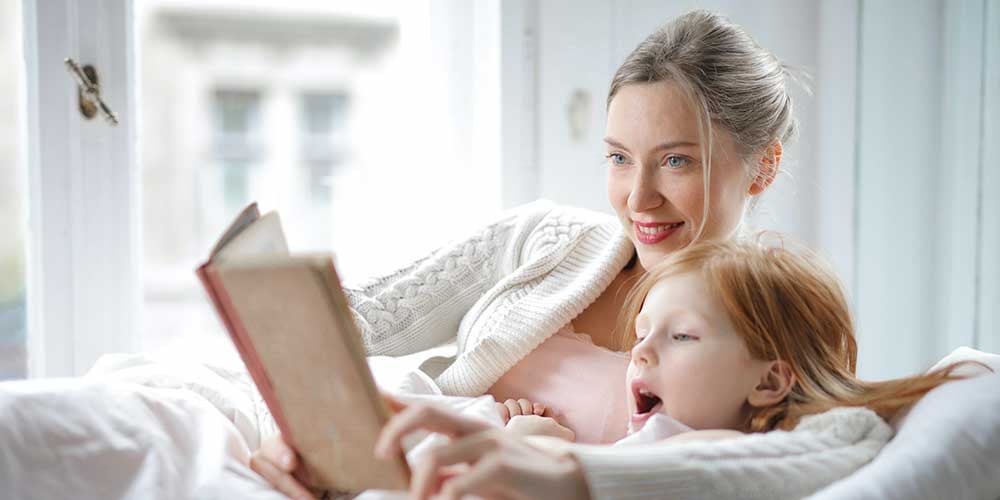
(291, 324)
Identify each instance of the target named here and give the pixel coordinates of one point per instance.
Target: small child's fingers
(513, 408)
(538, 409)
(503, 411)
(525, 406)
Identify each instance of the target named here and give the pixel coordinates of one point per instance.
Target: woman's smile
(651, 233)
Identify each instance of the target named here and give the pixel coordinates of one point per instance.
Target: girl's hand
(278, 463)
(481, 460)
(534, 425)
(514, 407)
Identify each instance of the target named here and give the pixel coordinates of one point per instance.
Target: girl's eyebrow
(666, 145)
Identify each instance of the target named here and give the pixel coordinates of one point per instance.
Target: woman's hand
(481, 460)
(278, 463)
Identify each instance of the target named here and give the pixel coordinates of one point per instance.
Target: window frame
(84, 293)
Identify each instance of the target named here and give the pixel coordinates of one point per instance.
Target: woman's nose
(644, 195)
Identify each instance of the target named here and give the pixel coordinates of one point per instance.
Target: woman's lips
(653, 233)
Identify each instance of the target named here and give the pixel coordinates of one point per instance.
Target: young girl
(740, 336)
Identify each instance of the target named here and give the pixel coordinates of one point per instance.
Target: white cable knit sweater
(508, 287)
(499, 293)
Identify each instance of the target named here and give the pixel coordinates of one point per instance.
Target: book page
(249, 214)
(263, 236)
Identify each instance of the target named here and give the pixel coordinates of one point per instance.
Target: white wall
(582, 44)
(894, 177)
(926, 260)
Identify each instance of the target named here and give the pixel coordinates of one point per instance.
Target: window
(346, 117)
(287, 105)
(324, 141)
(237, 154)
(13, 324)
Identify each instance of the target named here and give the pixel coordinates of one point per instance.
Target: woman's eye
(616, 159)
(676, 161)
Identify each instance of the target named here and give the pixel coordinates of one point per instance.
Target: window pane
(333, 113)
(13, 324)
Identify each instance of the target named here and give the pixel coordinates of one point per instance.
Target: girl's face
(689, 362)
(655, 179)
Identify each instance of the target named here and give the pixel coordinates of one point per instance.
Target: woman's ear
(773, 386)
(767, 169)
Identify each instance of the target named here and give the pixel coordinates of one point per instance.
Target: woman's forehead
(659, 108)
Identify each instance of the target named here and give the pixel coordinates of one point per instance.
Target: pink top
(582, 382)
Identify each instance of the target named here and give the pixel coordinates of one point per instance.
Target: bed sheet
(139, 427)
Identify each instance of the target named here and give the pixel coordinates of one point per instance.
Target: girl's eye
(616, 159)
(674, 161)
(683, 337)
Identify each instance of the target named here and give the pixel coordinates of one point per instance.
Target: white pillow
(946, 447)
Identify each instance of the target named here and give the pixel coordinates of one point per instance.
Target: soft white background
(894, 177)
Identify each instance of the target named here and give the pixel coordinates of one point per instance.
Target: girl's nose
(643, 354)
(644, 195)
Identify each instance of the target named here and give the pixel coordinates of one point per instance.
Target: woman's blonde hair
(788, 307)
(729, 80)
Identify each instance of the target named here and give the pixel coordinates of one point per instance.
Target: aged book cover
(290, 322)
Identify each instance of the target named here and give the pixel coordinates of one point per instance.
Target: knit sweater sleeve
(777, 465)
(422, 304)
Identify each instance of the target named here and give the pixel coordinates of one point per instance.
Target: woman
(697, 115)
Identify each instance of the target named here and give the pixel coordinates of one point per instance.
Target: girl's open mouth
(647, 404)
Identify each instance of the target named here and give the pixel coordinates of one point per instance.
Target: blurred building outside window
(336, 114)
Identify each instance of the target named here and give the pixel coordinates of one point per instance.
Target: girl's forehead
(685, 301)
(679, 294)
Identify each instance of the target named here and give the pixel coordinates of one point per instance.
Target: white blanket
(139, 428)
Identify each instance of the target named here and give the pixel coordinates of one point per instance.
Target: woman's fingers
(394, 404)
(277, 451)
(426, 473)
(281, 480)
(485, 479)
(426, 417)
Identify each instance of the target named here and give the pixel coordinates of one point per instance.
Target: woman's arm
(823, 448)
(421, 305)
(709, 435)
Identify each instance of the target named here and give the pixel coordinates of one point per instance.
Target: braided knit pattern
(497, 293)
(390, 306)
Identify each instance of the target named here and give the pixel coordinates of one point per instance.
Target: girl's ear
(774, 385)
(767, 169)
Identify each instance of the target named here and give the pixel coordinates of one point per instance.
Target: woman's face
(655, 178)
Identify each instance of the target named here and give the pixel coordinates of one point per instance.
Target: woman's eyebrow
(666, 145)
